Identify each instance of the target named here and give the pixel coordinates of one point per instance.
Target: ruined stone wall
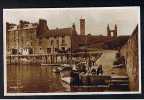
(130, 53)
(53, 43)
(29, 36)
(21, 38)
(11, 41)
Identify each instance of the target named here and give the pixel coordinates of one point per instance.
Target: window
(30, 51)
(56, 49)
(69, 49)
(63, 48)
(48, 50)
(51, 42)
(14, 51)
(63, 41)
(31, 36)
(30, 43)
(40, 41)
(57, 42)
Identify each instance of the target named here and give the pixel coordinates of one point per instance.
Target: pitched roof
(60, 32)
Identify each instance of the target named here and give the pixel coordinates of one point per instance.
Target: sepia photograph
(72, 51)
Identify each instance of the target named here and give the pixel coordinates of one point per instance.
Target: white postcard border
(72, 93)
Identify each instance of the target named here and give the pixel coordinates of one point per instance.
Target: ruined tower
(114, 31)
(73, 26)
(108, 31)
(82, 26)
(42, 28)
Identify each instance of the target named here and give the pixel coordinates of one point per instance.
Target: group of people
(90, 67)
(98, 71)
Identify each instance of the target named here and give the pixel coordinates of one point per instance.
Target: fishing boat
(65, 74)
(71, 77)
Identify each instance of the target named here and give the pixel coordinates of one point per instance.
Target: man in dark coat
(100, 70)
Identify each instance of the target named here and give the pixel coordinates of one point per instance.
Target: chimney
(42, 28)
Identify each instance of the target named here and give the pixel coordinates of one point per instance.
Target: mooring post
(46, 58)
(56, 58)
(51, 59)
(66, 58)
(10, 59)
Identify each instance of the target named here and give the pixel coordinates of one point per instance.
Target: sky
(96, 19)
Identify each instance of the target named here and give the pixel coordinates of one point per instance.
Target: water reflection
(35, 78)
(32, 78)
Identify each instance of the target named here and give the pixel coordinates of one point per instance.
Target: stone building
(21, 38)
(130, 53)
(55, 40)
(37, 38)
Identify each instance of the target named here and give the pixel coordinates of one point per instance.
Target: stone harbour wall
(130, 53)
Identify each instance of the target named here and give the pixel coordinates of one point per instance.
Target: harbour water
(32, 78)
(39, 79)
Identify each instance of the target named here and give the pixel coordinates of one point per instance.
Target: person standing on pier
(89, 65)
(100, 70)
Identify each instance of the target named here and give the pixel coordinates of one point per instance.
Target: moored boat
(74, 78)
(65, 74)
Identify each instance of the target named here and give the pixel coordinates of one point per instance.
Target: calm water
(35, 78)
(32, 78)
